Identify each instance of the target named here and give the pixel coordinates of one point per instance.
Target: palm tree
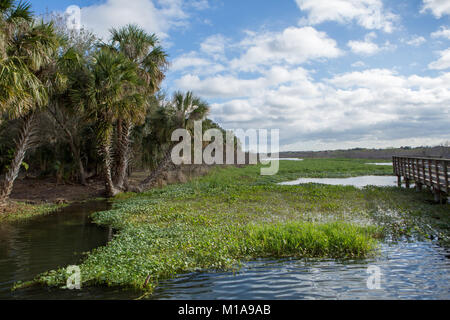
(144, 50)
(26, 56)
(189, 108)
(110, 86)
(184, 109)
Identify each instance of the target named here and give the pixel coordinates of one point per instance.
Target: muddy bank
(38, 191)
(42, 191)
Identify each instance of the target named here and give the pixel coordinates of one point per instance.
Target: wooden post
(407, 183)
(437, 196)
(418, 186)
(446, 178)
(423, 172)
(438, 179)
(430, 173)
(399, 181)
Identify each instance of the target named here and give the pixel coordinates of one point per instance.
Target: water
(408, 271)
(48, 242)
(359, 182)
(281, 159)
(418, 270)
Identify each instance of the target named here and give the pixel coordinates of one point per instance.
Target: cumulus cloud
(358, 64)
(154, 16)
(368, 46)
(375, 107)
(369, 14)
(415, 41)
(443, 62)
(230, 86)
(438, 8)
(292, 46)
(267, 82)
(193, 63)
(443, 32)
(214, 46)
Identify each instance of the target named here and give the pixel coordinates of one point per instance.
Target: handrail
(431, 172)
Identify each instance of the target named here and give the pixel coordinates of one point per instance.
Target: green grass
(234, 214)
(17, 212)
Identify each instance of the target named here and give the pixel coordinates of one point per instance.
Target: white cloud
(363, 47)
(415, 41)
(263, 81)
(358, 64)
(193, 61)
(443, 32)
(368, 47)
(369, 14)
(214, 46)
(443, 62)
(199, 4)
(230, 86)
(376, 107)
(154, 16)
(292, 46)
(437, 7)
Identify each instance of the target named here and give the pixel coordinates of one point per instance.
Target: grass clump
(16, 212)
(335, 240)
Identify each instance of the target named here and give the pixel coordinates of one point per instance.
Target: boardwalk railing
(433, 173)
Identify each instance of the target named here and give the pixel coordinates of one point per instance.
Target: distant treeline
(361, 153)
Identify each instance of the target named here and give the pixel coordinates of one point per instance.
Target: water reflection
(281, 159)
(359, 182)
(48, 242)
(409, 271)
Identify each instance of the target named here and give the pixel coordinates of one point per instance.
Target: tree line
(75, 106)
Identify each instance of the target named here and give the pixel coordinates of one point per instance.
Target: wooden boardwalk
(430, 172)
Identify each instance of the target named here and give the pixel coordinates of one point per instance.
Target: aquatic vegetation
(233, 214)
(337, 240)
(20, 211)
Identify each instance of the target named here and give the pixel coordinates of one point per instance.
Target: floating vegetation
(234, 215)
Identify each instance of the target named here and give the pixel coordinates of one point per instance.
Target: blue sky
(329, 74)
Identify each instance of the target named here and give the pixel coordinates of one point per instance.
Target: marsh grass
(234, 214)
(17, 212)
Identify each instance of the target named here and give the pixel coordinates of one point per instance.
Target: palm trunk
(162, 167)
(105, 149)
(22, 145)
(123, 144)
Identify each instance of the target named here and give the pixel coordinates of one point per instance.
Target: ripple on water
(409, 271)
(417, 270)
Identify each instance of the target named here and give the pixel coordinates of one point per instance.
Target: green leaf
(25, 165)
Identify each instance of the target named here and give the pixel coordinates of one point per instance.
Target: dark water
(45, 243)
(418, 270)
(408, 271)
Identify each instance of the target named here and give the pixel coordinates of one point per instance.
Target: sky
(329, 74)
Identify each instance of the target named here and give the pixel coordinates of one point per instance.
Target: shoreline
(233, 214)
